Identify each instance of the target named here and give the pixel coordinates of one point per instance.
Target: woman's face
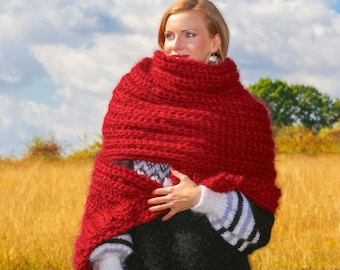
(186, 35)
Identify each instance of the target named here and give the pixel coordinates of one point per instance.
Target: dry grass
(42, 203)
(306, 234)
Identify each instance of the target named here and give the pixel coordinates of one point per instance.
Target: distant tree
(279, 97)
(44, 146)
(89, 151)
(296, 104)
(315, 109)
(337, 108)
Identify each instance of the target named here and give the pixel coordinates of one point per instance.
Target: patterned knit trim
(156, 171)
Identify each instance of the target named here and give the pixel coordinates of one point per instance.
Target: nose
(178, 44)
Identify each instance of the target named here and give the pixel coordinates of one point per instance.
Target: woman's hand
(176, 198)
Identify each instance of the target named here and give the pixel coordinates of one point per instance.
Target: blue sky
(335, 5)
(60, 60)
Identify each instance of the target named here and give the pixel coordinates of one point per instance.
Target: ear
(216, 43)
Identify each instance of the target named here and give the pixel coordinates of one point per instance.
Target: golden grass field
(42, 204)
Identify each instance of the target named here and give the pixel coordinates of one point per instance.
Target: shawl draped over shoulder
(196, 117)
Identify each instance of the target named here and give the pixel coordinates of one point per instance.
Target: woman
(186, 178)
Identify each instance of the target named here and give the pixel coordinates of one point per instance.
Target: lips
(180, 56)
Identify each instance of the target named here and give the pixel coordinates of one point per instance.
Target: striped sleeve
(112, 253)
(231, 215)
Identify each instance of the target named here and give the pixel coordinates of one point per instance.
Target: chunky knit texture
(196, 117)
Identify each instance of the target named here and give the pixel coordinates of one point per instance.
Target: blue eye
(169, 36)
(190, 35)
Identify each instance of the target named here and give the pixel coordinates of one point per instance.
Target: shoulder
(142, 65)
(134, 79)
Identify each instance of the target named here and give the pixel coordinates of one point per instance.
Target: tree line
(297, 104)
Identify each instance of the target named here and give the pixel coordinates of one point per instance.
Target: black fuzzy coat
(185, 242)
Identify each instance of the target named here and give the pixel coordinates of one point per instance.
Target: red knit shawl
(197, 117)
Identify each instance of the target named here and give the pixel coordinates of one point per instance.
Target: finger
(159, 207)
(168, 215)
(158, 200)
(162, 191)
(179, 175)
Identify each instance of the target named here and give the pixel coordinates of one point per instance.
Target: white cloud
(147, 21)
(93, 68)
(275, 39)
(5, 109)
(10, 77)
(86, 76)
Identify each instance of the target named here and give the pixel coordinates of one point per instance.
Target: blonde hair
(214, 20)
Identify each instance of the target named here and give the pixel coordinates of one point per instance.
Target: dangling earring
(213, 59)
